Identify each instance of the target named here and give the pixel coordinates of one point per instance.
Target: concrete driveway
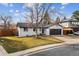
(69, 39)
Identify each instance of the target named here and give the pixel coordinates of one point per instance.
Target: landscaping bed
(14, 44)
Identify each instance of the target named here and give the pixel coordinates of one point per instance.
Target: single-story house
(27, 29)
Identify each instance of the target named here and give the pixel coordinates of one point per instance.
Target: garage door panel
(55, 31)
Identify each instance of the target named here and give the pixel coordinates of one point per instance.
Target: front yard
(14, 44)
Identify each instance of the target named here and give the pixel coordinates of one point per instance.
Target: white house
(27, 29)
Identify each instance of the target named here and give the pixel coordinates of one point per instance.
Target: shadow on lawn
(12, 45)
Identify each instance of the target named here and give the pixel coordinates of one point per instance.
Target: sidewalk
(2, 51)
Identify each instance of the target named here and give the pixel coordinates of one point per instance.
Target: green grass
(14, 44)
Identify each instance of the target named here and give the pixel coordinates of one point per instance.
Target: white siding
(29, 32)
(46, 31)
(65, 24)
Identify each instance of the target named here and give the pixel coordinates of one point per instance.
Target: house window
(40, 29)
(25, 29)
(34, 29)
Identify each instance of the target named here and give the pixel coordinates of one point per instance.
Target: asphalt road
(67, 50)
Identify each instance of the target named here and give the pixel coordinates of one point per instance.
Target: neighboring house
(70, 26)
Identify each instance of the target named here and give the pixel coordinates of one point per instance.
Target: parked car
(76, 33)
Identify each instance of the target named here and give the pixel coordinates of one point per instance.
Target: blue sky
(17, 10)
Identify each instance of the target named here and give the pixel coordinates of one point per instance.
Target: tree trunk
(36, 33)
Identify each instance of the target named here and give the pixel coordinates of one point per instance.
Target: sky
(17, 10)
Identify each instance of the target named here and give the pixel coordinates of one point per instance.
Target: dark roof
(69, 20)
(30, 25)
(24, 25)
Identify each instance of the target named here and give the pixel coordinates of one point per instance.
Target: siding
(30, 32)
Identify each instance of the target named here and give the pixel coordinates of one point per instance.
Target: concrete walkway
(2, 51)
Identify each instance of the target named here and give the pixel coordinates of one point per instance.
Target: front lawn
(14, 44)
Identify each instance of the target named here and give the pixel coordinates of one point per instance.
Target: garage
(67, 31)
(55, 31)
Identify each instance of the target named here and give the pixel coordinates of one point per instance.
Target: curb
(35, 50)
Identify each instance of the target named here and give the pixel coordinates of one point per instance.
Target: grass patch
(14, 44)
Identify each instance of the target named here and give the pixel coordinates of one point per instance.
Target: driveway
(70, 39)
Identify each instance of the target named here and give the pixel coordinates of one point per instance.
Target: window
(40, 29)
(34, 29)
(25, 29)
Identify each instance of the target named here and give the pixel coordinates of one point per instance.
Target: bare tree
(37, 14)
(57, 20)
(6, 21)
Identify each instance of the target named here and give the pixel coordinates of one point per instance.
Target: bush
(8, 32)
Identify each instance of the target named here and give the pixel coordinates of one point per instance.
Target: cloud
(30, 5)
(11, 10)
(16, 14)
(62, 7)
(52, 7)
(17, 11)
(23, 13)
(23, 6)
(64, 3)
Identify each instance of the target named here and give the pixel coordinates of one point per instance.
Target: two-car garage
(54, 30)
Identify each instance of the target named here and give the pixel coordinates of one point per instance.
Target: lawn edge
(35, 49)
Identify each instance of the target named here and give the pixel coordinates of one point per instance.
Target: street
(67, 50)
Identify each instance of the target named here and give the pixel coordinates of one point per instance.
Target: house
(27, 29)
(69, 26)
